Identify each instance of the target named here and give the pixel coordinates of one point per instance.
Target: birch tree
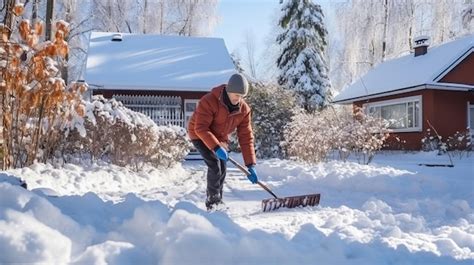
(377, 30)
(178, 17)
(251, 59)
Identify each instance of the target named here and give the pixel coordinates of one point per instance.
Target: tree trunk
(49, 18)
(161, 16)
(385, 26)
(34, 14)
(145, 12)
(8, 19)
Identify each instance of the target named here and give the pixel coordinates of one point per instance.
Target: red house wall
(445, 110)
(463, 73)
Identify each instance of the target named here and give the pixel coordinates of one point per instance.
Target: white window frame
(470, 105)
(383, 103)
(188, 113)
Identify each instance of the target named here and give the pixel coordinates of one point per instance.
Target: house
(160, 76)
(430, 88)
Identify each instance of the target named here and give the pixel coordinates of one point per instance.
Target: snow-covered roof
(157, 62)
(409, 72)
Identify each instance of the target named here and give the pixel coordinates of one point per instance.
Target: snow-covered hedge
(312, 137)
(272, 108)
(109, 131)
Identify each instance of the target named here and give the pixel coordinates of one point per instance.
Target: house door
(189, 108)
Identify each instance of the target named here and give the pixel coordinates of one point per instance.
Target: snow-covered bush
(396, 143)
(305, 140)
(272, 108)
(311, 137)
(109, 131)
(460, 141)
(431, 142)
(172, 143)
(368, 135)
(458, 144)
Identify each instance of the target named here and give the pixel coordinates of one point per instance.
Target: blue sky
(239, 16)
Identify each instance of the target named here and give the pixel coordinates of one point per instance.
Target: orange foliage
(24, 29)
(63, 50)
(18, 9)
(39, 28)
(36, 102)
(50, 50)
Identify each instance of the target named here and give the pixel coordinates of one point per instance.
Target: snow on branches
(35, 103)
(311, 137)
(272, 109)
(302, 61)
(111, 132)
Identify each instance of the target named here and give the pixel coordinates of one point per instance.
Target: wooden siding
(445, 110)
(463, 73)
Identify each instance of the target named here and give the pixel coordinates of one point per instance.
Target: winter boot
(212, 201)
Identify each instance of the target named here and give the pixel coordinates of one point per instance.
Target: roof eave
(436, 86)
(149, 88)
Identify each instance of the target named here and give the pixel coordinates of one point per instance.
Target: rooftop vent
(421, 44)
(117, 37)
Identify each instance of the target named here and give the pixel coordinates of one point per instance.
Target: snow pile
(392, 212)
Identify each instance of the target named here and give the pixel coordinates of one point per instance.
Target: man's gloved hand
(221, 153)
(253, 175)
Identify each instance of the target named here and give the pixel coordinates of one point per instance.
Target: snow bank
(86, 230)
(392, 212)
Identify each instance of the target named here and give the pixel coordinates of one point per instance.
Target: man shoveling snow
(218, 114)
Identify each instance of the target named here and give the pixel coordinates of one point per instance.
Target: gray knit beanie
(237, 84)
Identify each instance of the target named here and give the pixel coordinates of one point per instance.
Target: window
(403, 115)
(190, 106)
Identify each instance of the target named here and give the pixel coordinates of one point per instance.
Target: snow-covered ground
(392, 211)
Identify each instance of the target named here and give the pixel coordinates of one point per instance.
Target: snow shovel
(276, 202)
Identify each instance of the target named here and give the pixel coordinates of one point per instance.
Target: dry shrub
(311, 137)
(36, 104)
(459, 144)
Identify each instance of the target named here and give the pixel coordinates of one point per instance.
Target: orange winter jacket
(212, 123)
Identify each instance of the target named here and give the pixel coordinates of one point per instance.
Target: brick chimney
(117, 37)
(421, 44)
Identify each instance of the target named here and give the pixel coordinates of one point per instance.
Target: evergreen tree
(272, 109)
(302, 61)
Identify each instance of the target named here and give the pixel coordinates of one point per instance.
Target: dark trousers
(216, 169)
